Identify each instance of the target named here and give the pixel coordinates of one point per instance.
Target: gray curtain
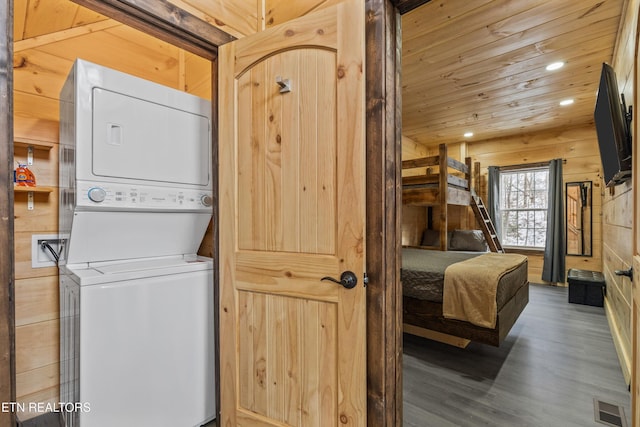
(493, 199)
(553, 266)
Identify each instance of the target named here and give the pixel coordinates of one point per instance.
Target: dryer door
(142, 140)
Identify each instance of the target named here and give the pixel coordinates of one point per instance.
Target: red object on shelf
(24, 177)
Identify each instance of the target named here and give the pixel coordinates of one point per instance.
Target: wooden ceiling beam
(57, 36)
(163, 20)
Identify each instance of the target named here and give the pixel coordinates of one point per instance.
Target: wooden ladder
(488, 229)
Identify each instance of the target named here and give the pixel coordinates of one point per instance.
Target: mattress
(422, 274)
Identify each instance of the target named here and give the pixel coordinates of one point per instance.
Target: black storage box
(586, 287)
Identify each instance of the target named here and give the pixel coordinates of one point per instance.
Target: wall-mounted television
(613, 126)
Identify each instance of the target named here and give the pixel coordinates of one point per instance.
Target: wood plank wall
(414, 218)
(39, 72)
(236, 17)
(617, 219)
(244, 17)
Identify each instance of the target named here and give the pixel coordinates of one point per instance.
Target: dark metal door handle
(628, 273)
(348, 279)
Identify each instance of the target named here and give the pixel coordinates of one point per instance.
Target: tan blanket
(470, 287)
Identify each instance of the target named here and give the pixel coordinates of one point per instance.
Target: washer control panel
(122, 196)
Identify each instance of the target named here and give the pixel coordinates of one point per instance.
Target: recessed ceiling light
(555, 66)
(468, 134)
(566, 102)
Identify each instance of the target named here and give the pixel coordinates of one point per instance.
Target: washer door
(147, 351)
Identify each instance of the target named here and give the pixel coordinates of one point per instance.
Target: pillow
(430, 238)
(468, 240)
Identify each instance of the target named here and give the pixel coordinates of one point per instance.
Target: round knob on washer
(97, 194)
(206, 200)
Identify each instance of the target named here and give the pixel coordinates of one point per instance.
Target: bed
(450, 185)
(423, 275)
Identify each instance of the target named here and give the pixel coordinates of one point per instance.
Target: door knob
(348, 279)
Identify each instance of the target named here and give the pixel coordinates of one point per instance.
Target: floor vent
(609, 414)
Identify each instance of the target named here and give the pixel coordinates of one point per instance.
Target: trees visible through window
(523, 207)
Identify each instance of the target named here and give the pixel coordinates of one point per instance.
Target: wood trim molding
(7, 275)
(163, 20)
(528, 166)
(384, 192)
(216, 227)
(405, 6)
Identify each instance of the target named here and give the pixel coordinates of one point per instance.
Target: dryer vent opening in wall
(609, 414)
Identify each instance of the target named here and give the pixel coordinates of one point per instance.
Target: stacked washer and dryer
(136, 301)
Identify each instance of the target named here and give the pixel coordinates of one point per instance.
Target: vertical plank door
(292, 211)
(635, 285)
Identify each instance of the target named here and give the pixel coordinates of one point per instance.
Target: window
(523, 207)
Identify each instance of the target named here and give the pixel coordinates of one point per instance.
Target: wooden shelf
(40, 189)
(36, 144)
(32, 145)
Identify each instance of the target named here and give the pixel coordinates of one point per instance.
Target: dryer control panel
(111, 196)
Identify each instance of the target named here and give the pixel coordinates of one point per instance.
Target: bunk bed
(451, 185)
(423, 270)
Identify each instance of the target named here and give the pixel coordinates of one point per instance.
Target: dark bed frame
(428, 315)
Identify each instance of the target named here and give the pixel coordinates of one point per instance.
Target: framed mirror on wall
(579, 218)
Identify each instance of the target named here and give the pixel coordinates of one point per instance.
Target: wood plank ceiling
(479, 66)
(37, 18)
(476, 65)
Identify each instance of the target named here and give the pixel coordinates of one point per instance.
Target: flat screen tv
(613, 126)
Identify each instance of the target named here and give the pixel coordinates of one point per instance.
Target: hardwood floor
(557, 358)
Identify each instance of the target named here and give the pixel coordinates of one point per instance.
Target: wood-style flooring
(556, 359)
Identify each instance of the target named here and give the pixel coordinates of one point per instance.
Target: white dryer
(137, 334)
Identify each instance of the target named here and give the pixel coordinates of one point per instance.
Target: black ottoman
(586, 287)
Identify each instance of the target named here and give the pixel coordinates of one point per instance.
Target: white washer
(145, 347)
(137, 318)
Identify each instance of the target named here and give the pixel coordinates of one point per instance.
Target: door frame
(383, 138)
(384, 210)
(634, 383)
(7, 325)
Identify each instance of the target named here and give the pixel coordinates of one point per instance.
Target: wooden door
(635, 285)
(292, 211)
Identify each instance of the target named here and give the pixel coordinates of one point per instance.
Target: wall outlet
(41, 256)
